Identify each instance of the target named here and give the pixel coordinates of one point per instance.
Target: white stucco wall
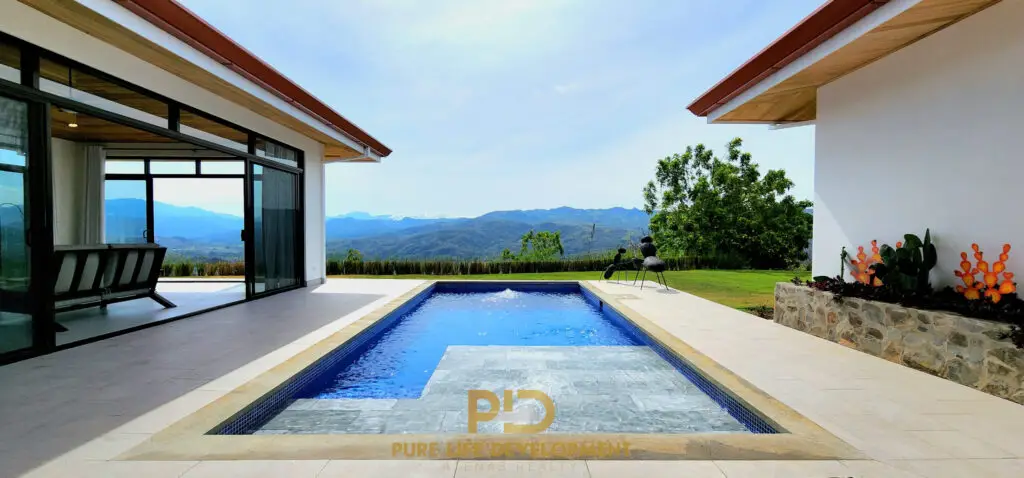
(315, 218)
(68, 189)
(928, 137)
(33, 26)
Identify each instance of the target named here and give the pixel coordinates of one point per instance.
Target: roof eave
(821, 25)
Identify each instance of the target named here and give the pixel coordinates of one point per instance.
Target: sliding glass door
(272, 245)
(127, 218)
(16, 332)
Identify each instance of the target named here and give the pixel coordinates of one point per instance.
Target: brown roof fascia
(821, 25)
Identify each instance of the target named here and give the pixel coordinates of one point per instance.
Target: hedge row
(446, 267)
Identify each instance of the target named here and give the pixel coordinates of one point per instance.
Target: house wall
(927, 137)
(33, 26)
(68, 189)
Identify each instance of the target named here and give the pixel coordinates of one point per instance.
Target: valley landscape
(199, 235)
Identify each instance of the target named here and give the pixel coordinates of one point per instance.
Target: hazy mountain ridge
(197, 233)
(487, 235)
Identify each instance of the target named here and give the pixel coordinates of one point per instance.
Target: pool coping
(799, 437)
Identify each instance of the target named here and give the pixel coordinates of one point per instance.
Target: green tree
(708, 206)
(352, 258)
(537, 246)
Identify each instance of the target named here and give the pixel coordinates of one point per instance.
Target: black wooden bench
(89, 276)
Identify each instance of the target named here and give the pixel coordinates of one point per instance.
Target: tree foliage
(537, 246)
(353, 256)
(708, 206)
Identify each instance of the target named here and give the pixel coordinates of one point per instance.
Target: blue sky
(517, 104)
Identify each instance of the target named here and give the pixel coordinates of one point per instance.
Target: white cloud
(566, 88)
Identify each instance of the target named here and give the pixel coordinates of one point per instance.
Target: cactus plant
(908, 265)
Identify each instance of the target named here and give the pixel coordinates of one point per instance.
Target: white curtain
(92, 204)
(13, 128)
(279, 223)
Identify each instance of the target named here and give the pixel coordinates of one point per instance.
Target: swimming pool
(411, 371)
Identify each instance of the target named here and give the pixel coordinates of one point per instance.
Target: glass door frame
(149, 234)
(38, 214)
(148, 176)
(39, 210)
(250, 230)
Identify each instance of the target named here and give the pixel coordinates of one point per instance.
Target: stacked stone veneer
(964, 350)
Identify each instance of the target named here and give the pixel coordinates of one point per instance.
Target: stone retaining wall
(961, 349)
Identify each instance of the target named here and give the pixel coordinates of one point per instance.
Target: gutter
(821, 25)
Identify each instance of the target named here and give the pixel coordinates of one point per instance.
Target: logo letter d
(549, 413)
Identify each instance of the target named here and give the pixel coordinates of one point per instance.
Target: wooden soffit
(795, 99)
(96, 25)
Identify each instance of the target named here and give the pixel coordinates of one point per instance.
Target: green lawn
(739, 289)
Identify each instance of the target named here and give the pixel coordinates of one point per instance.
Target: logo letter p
(476, 415)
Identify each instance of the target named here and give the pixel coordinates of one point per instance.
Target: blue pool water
(392, 361)
(399, 362)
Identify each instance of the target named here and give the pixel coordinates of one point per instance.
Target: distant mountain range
(187, 232)
(200, 234)
(484, 236)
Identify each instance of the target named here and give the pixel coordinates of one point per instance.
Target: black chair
(651, 263)
(620, 266)
(88, 276)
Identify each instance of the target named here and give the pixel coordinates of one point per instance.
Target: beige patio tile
(171, 412)
(112, 469)
(107, 446)
(995, 468)
(654, 469)
(959, 445)
(897, 419)
(390, 468)
(257, 469)
(875, 469)
(521, 469)
(781, 469)
(1004, 435)
(880, 441)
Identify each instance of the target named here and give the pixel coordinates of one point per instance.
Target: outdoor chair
(620, 266)
(97, 275)
(651, 263)
(89, 276)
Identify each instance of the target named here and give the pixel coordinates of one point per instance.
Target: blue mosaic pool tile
(263, 410)
(478, 287)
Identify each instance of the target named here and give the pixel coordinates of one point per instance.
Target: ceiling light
(73, 121)
(74, 116)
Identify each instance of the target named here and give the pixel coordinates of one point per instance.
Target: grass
(738, 289)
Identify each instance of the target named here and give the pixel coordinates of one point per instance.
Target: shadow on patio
(53, 404)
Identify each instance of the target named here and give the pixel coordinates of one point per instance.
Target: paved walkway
(910, 424)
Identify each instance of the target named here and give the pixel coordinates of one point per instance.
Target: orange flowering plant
(860, 268)
(990, 286)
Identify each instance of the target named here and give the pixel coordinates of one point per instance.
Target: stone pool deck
(595, 389)
(75, 411)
